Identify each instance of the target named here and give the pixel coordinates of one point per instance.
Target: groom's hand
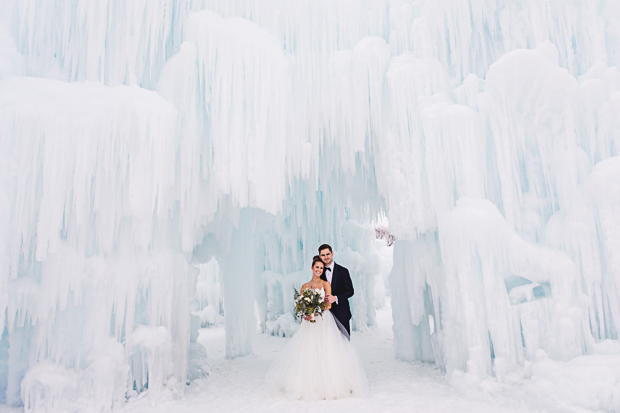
(330, 299)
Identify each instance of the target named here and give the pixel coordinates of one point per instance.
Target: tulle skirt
(318, 363)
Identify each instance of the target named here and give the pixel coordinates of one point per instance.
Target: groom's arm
(347, 284)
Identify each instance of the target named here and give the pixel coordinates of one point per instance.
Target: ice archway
(142, 138)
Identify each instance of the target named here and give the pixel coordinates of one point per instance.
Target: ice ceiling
(139, 139)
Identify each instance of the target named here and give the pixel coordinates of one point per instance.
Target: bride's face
(317, 269)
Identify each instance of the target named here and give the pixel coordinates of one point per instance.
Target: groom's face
(327, 256)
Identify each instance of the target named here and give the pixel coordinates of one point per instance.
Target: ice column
(415, 265)
(239, 273)
(588, 232)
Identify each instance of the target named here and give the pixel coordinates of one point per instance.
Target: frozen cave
(172, 164)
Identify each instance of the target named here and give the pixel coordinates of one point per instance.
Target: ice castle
(164, 162)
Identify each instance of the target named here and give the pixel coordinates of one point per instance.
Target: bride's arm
(328, 291)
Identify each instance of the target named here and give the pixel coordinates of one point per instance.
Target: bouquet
(309, 302)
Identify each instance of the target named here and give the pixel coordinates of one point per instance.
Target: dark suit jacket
(342, 287)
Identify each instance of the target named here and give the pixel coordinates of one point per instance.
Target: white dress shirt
(329, 275)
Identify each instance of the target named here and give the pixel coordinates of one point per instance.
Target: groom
(342, 287)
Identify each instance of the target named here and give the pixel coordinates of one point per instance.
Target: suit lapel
(334, 279)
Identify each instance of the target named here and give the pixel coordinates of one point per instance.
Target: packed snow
(397, 386)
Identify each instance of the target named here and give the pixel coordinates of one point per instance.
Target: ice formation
(175, 163)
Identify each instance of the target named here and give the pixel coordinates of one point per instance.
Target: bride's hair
(316, 259)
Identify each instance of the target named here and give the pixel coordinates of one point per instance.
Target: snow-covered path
(396, 386)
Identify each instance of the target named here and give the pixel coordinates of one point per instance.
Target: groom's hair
(325, 247)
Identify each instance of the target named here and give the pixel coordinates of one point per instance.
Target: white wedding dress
(318, 363)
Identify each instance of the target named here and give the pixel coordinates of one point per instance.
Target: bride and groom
(319, 362)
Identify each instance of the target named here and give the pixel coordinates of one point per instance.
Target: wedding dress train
(318, 363)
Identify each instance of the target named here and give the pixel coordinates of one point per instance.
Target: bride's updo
(316, 259)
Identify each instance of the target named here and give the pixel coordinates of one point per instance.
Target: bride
(319, 362)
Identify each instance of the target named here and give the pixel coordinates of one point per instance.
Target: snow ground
(396, 386)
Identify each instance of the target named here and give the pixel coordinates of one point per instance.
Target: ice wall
(86, 182)
(524, 139)
(142, 140)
